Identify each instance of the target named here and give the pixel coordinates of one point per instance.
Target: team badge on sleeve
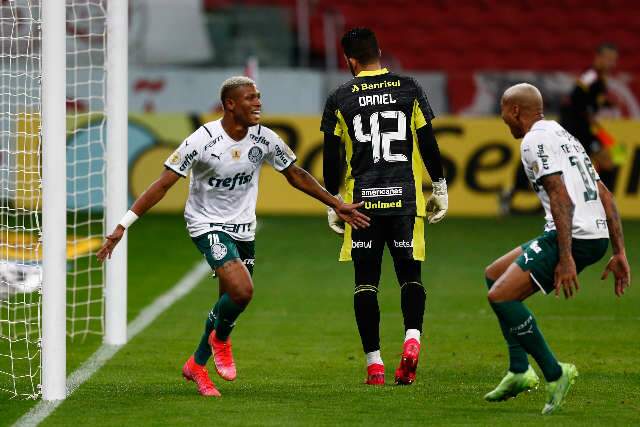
(218, 250)
(175, 158)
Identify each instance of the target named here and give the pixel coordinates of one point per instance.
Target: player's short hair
(606, 46)
(361, 44)
(231, 83)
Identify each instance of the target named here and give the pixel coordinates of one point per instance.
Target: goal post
(117, 172)
(63, 186)
(54, 200)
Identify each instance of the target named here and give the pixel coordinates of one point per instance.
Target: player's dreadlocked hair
(361, 44)
(232, 83)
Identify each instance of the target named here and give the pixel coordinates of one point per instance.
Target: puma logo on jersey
(231, 183)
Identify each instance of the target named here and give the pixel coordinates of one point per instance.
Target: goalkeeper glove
(335, 223)
(438, 202)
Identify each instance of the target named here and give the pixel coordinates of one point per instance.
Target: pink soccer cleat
(191, 371)
(406, 372)
(375, 374)
(222, 357)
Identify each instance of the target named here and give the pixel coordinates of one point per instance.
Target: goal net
(21, 182)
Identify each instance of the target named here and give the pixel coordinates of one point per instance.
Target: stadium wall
(480, 156)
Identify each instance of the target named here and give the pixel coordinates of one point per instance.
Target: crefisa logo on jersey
(283, 156)
(238, 179)
(543, 157)
(255, 154)
(187, 160)
(258, 139)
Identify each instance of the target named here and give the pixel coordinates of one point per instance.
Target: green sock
(518, 361)
(203, 352)
(228, 312)
(522, 326)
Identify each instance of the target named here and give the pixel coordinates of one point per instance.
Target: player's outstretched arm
(566, 276)
(438, 202)
(303, 181)
(618, 263)
(331, 171)
(146, 201)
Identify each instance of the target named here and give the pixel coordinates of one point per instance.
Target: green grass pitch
(298, 353)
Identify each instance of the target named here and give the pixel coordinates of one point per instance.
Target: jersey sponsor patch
(381, 192)
(175, 159)
(218, 251)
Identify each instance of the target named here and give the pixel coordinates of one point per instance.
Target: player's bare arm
(618, 264)
(146, 201)
(303, 181)
(566, 276)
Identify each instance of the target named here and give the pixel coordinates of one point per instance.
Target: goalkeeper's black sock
(522, 326)
(203, 352)
(365, 305)
(228, 312)
(518, 360)
(413, 297)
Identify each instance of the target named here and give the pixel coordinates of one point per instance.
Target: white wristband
(129, 218)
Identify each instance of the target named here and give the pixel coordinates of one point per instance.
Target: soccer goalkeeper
(383, 121)
(223, 159)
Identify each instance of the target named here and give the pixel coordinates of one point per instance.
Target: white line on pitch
(43, 409)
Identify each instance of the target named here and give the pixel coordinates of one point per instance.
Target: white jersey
(224, 176)
(549, 149)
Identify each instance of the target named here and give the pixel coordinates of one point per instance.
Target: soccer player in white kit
(581, 217)
(223, 159)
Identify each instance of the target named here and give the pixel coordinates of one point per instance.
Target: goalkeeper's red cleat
(375, 374)
(222, 357)
(406, 372)
(191, 371)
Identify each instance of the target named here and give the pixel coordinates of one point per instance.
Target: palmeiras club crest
(218, 251)
(255, 154)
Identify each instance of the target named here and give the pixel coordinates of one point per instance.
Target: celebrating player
(224, 158)
(383, 120)
(581, 217)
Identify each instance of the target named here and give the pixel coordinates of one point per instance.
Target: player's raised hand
(348, 213)
(438, 202)
(566, 277)
(110, 243)
(619, 266)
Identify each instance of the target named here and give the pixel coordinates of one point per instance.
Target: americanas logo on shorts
(219, 250)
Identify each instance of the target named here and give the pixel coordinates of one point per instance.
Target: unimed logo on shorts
(381, 192)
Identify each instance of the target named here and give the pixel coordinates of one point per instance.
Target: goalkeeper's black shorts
(403, 235)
